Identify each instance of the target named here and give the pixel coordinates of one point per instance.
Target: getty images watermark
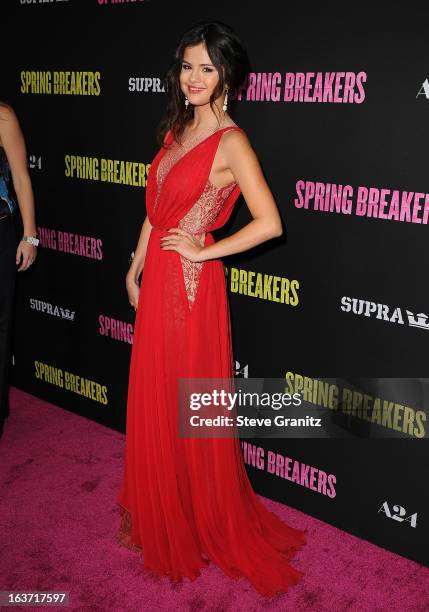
(317, 408)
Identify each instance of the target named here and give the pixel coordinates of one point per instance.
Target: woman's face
(198, 76)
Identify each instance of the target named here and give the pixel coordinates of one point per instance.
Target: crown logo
(420, 320)
(67, 314)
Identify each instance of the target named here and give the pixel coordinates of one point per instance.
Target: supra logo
(398, 514)
(52, 309)
(146, 84)
(384, 313)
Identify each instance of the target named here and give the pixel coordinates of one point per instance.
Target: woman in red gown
(185, 501)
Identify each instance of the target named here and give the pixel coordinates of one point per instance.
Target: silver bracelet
(31, 240)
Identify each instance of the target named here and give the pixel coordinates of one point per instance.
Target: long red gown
(186, 501)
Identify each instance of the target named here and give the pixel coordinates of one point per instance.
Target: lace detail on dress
(174, 152)
(196, 221)
(202, 214)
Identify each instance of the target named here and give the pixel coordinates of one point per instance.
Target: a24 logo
(399, 514)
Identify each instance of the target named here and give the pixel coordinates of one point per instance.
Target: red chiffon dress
(185, 501)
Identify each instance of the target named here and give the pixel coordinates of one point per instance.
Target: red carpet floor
(58, 520)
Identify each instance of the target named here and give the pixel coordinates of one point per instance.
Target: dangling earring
(186, 102)
(225, 101)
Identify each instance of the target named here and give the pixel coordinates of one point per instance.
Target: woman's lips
(195, 89)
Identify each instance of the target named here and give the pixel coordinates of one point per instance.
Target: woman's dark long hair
(226, 52)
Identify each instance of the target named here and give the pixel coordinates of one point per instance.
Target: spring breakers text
(387, 204)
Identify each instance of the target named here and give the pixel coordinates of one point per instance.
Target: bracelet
(31, 240)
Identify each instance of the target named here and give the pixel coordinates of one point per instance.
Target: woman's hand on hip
(183, 242)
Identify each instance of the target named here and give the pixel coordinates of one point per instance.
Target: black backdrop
(73, 318)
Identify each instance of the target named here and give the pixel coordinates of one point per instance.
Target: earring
(225, 101)
(186, 102)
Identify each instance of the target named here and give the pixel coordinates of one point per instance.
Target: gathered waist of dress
(204, 238)
(156, 228)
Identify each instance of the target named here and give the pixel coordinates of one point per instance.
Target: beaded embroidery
(174, 152)
(202, 214)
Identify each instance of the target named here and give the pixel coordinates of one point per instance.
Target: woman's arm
(14, 145)
(137, 264)
(266, 224)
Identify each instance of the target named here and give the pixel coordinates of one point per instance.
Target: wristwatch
(31, 239)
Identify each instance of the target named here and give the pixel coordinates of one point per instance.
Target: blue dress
(7, 201)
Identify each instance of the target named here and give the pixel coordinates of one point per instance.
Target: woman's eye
(185, 67)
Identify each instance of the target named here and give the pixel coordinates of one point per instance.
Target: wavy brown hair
(227, 54)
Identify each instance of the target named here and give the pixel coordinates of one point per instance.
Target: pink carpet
(60, 474)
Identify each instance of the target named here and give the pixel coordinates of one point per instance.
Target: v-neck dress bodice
(174, 153)
(200, 217)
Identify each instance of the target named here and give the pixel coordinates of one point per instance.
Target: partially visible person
(15, 191)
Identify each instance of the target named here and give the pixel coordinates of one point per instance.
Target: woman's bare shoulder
(236, 138)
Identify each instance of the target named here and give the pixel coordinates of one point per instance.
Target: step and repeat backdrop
(336, 108)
